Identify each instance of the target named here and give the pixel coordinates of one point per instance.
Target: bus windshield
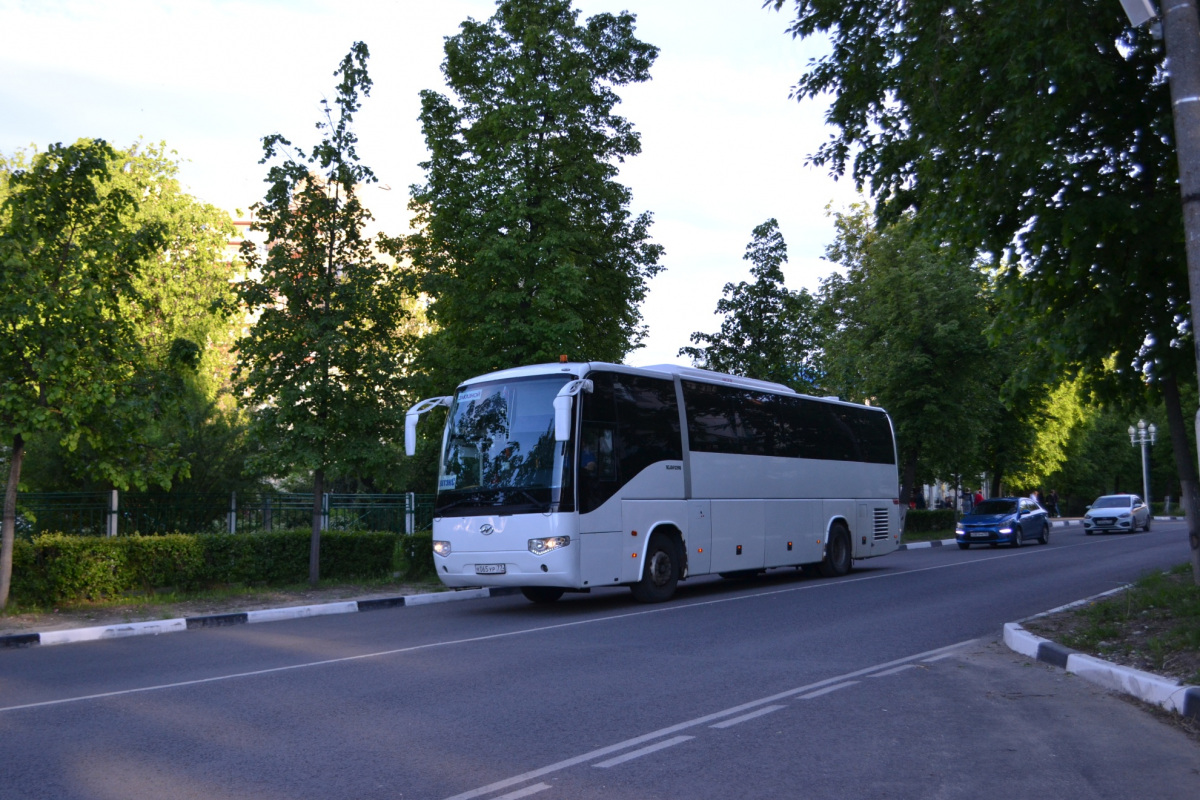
(500, 454)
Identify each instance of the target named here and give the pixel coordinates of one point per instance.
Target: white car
(1116, 512)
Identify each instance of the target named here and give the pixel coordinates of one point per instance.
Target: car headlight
(958, 530)
(1006, 529)
(441, 548)
(539, 547)
(1125, 515)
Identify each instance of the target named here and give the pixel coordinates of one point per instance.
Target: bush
(416, 556)
(928, 520)
(55, 568)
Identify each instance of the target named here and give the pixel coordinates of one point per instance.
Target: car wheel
(661, 572)
(1147, 528)
(1045, 537)
(1016, 536)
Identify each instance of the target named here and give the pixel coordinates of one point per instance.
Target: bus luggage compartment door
(737, 535)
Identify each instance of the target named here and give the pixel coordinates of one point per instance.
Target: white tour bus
(564, 477)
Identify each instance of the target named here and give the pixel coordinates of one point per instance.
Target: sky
(723, 147)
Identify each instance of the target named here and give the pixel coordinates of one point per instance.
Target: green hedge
(932, 519)
(55, 568)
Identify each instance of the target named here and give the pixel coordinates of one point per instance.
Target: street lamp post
(1143, 435)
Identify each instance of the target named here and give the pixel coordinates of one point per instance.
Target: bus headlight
(441, 548)
(539, 547)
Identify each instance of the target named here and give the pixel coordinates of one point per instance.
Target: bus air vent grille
(881, 523)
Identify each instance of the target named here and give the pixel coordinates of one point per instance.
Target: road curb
(156, 627)
(1167, 693)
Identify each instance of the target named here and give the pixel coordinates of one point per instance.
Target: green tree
(769, 332)
(906, 332)
(321, 367)
(1049, 143)
(71, 252)
(524, 241)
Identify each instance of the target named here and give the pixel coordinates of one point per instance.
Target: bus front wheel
(838, 556)
(661, 573)
(541, 594)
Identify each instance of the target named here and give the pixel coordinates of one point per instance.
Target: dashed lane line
(811, 689)
(729, 723)
(645, 751)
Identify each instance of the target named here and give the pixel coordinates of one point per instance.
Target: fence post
(410, 513)
(325, 511)
(267, 514)
(233, 512)
(112, 514)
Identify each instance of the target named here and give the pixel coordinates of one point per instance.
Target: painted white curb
(114, 631)
(296, 612)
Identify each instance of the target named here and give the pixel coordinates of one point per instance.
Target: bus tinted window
(629, 423)
(732, 420)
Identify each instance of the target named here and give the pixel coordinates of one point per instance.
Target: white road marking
(645, 751)
(692, 723)
(729, 723)
(826, 690)
(528, 790)
(894, 670)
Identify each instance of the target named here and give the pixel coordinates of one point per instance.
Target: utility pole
(1181, 38)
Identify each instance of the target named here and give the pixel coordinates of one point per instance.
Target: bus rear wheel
(661, 573)
(838, 556)
(541, 594)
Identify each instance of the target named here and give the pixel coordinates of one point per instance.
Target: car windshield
(996, 507)
(1119, 501)
(500, 454)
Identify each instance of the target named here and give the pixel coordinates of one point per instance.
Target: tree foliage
(769, 331)
(1038, 132)
(321, 366)
(905, 329)
(525, 242)
(72, 250)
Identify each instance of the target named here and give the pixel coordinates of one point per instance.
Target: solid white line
(826, 690)
(528, 790)
(645, 751)
(894, 670)
(729, 723)
(649, 737)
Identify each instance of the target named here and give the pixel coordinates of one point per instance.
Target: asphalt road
(886, 683)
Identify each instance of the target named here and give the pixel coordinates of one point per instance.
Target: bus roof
(581, 368)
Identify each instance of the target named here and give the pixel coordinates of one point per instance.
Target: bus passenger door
(699, 537)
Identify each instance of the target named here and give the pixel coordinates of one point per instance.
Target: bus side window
(596, 460)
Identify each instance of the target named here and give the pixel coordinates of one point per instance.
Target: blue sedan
(1004, 520)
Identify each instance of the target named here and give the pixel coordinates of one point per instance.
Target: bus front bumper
(510, 568)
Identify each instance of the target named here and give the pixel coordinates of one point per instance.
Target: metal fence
(118, 514)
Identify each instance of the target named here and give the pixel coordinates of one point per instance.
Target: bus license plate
(489, 569)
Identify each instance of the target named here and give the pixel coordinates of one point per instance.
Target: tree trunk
(8, 528)
(314, 545)
(907, 479)
(1185, 465)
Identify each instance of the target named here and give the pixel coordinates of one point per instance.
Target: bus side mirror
(562, 408)
(414, 414)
